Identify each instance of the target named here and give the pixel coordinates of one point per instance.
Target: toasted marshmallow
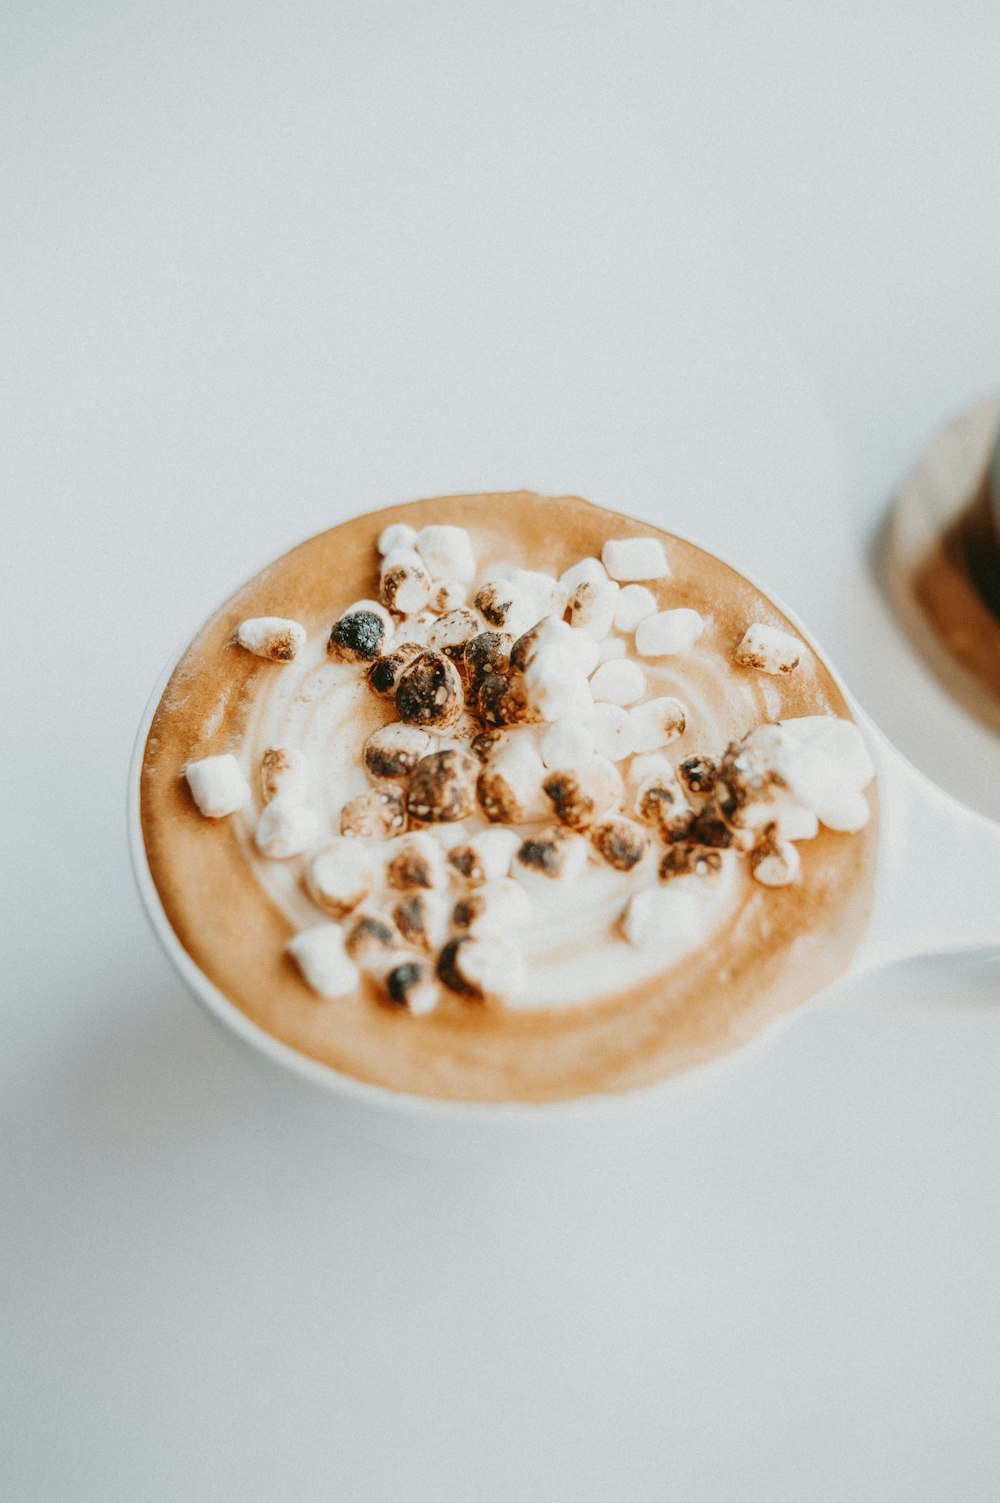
(549, 632)
(285, 828)
(619, 682)
(396, 536)
(510, 782)
(658, 722)
(633, 604)
(361, 633)
(568, 741)
(611, 649)
(554, 854)
(452, 632)
(320, 955)
(817, 762)
(411, 983)
(555, 684)
(612, 731)
(404, 583)
(620, 842)
(690, 861)
(374, 815)
(496, 909)
(507, 606)
(668, 633)
(443, 787)
(447, 552)
(383, 675)
(481, 969)
(699, 775)
(370, 940)
(582, 794)
(283, 770)
(769, 650)
(422, 918)
(592, 607)
(486, 857)
(775, 863)
(272, 637)
(488, 652)
(629, 559)
(218, 785)
(429, 692)
(340, 876)
(394, 750)
(661, 802)
(502, 700)
(416, 861)
(448, 595)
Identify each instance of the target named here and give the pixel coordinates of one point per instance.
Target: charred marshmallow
(411, 983)
(620, 842)
(416, 861)
(585, 793)
(775, 863)
(510, 783)
(494, 909)
(361, 633)
(554, 854)
(429, 692)
(383, 675)
(395, 750)
(452, 633)
(507, 606)
(481, 969)
(422, 919)
(447, 595)
(443, 787)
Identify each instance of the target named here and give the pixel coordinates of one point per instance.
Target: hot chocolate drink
(507, 797)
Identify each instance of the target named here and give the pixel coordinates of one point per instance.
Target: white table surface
(268, 265)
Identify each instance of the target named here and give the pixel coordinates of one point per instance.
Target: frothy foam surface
(594, 1011)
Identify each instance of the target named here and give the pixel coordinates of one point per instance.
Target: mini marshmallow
(411, 983)
(447, 552)
(582, 794)
(404, 583)
(611, 649)
(396, 536)
(429, 692)
(447, 595)
(374, 815)
(848, 813)
(548, 594)
(668, 633)
(340, 876)
(487, 856)
(493, 910)
(634, 604)
(568, 741)
(218, 785)
(620, 842)
(502, 700)
(629, 559)
(383, 675)
(658, 915)
(775, 863)
(587, 571)
(699, 775)
(442, 787)
(612, 730)
(550, 632)
(488, 652)
(416, 861)
(285, 828)
(510, 783)
(661, 802)
(452, 632)
(592, 607)
(422, 918)
(394, 750)
(620, 682)
(710, 827)
(370, 940)
(555, 684)
(768, 650)
(690, 861)
(283, 770)
(320, 955)
(481, 969)
(554, 854)
(361, 633)
(649, 767)
(658, 722)
(272, 637)
(507, 606)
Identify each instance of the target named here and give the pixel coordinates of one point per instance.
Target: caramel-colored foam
(780, 947)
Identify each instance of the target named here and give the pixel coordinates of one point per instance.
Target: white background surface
(266, 266)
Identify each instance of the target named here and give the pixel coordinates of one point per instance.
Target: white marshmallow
(659, 915)
(448, 835)
(339, 877)
(620, 682)
(502, 906)
(218, 785)
(283, 770)
(822, 752)
(447, 552)
(405, 584)
(396, 535)
(643, 769)
(592, 607)
(633, 605)
(585, 648)
(848, 813)
(668, 632)
(658, 722)
(769, 650)
(613, 731)
(547, 593)
(285, 828)
(272, 637)
(320, 955)
(567, 742)
(588, 570)
(555, 684)
(776, 864)
(487, 856)
(447, 595)
(634, 558)
(488, 968)
(510, 785)
(611, 648)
